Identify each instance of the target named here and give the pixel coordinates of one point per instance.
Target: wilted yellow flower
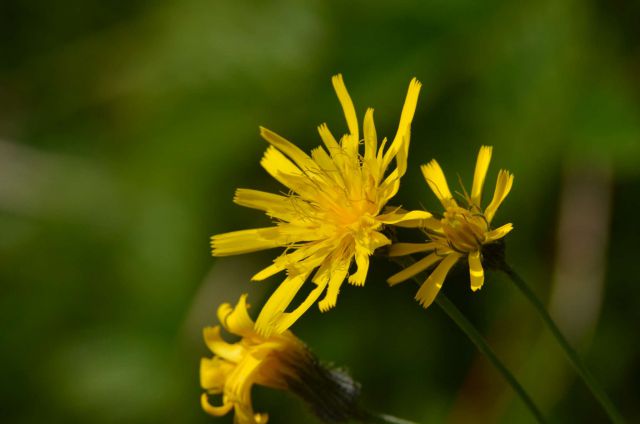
(280, 361)
(333, 213)
(461, 233)
(236, 367)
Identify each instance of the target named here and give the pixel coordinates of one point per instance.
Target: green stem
(374, 418)
(477, 339)
(571, 354)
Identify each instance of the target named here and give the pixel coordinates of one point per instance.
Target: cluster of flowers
(335, 216)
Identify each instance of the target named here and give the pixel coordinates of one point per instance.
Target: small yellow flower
(461, 232)
(333, 213)
(234, 369)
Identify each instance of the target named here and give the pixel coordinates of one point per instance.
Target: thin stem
(571, 354)
(374, 418)
(477, 339)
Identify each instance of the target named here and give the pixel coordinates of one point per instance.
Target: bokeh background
(125, 128)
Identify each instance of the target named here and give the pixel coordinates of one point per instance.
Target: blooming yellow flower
(333, 213)
(235, 368)
(462, 231)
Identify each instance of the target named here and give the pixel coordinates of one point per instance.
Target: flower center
(464, 230)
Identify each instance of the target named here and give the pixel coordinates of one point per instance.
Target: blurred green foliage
(126, 126)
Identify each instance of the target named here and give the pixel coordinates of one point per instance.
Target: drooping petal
(414, 269)
(503, 186)
(403, 249)
(240, 380)
(436, 180)
(214, 373)
(216, 411)
(216, 344)
(498, 233)
(430, 288)
(476, 273)
(482, 165)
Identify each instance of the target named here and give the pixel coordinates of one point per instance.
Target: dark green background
(126, 126)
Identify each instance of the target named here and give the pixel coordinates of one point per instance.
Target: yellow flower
(235, 368)
(462, 231)
(333, 213)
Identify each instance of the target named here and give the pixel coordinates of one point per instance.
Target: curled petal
(236, 320)
(216, 411)
(215, 343)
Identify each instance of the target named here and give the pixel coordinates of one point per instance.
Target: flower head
(460, 233)
(280, 361)
(333, 214)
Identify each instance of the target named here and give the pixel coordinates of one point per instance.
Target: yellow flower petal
(236, 320)
(331, 168)
(285, 320)
(403, 249)
(216, 411)
(275, 205)
(503, 186)
(336, 277)
(269, 271)
(401, 140)
(434, 176)
(347, 105)
(332, 209)
(304, 162)
(430, 288)
(278, 303)
(362, 263)
(498, 233)
(370, 136)
(292, 260)
(329, 140)
(482, 165)
(215, 343)
(476, 273)
(398, 217)
(245, 241)
(414, 269)
(214, 373)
